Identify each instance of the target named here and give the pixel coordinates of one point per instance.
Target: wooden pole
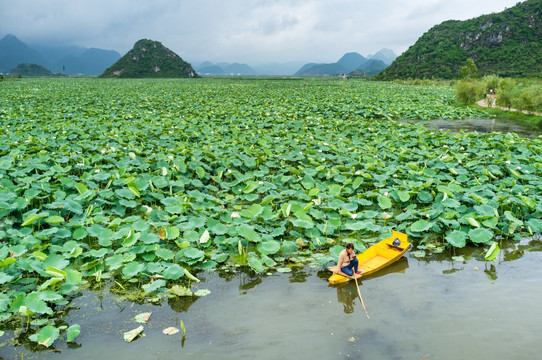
(360, 298)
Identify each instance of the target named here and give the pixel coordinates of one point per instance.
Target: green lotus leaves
(481, 236)
(165, 254)
(420, 226)
(132, 269)
(192, 255)
(73, 332)
(154, 286)
(248, 232)
(534, 225)
(269, 247)
(492, 252)
(457, 239)
(384, 202)
(46, 336)
(173, 272)
(90, 200)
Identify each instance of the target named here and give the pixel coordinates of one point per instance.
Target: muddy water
(483, 126)
(429, 308)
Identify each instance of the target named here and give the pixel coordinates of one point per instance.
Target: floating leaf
(180, 291)
(170, 331)
(73, 332)
(129, 336)
(202, 292)
(143, 318)
(46, 336)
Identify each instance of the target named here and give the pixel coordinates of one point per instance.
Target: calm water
(418, 309)
(483, 126)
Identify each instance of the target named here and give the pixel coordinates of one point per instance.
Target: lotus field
(142, 183)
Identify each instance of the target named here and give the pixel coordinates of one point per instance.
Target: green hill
(508, 43)
(30, 70)
(150, 59)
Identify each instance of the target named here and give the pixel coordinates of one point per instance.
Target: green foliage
(468, 92)
(155, 177)
(469, 70)
(507, 44)
(30, 70)
(505, 99)
(523, 95)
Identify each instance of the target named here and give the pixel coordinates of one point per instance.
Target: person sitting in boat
(348, 263)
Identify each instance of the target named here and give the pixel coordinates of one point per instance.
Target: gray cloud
(251, 31)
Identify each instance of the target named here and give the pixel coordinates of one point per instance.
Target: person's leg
(347, 270)
(354, 264)
(351, 268)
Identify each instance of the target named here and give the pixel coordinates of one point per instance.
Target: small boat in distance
(376, 257)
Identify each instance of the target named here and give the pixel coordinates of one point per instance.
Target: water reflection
(298, 276)
(181, 304)
(347, 293)
(491, 272)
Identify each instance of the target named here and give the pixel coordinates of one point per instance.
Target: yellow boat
(376, 257)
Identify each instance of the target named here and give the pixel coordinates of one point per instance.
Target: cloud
(250, 31)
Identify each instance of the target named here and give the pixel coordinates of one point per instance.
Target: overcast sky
(246, 31)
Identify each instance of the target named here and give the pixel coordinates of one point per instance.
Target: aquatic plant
(144, 182)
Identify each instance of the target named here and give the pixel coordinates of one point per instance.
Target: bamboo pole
(360, 298)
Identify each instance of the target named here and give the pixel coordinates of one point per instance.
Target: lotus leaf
(132, 269)
(456, 239)
(180, 291)
(492, 253)
(248, 233)
(173, 272)
(269, 247)
(202, 292)
(129, 336)
(420, 226)
(481, 236)
(73, 332)
(255, 263)
(170, 331)
(46, 336)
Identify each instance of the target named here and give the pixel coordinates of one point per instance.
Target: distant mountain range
(508, 43)
(351, 63)
(69, 60)
(74, 60)
(235, 69)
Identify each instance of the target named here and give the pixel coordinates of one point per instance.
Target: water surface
(523, 129)
(431, 309)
